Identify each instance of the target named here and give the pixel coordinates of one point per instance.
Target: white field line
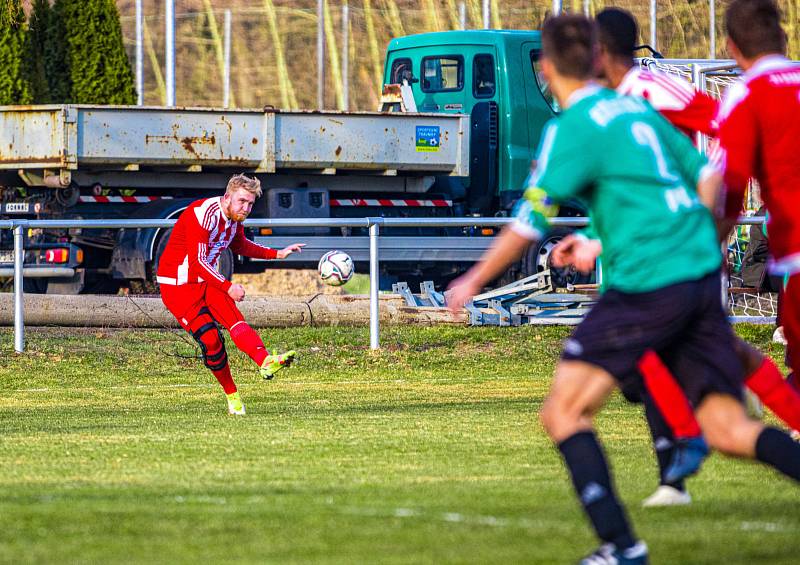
(450, 517)
(770, 527)
(500, 522)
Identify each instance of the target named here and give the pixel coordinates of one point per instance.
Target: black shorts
(683, 323)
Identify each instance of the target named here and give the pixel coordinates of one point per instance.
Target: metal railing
(372, 224)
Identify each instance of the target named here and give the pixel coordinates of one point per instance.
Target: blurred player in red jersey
(759, 125)
(200, 298)
(676, 434)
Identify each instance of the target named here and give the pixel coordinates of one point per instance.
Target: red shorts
(185, 302)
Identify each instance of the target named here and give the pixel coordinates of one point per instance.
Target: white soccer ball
(335, 268)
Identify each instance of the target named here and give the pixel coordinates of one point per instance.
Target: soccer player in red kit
(759, 122)
(200, 298)
(669, 414)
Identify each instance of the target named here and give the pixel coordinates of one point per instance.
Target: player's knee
(729, 430)
(738, 441)
(216, 357)
(720, 439)
(558, 421)
(212, 344)
(548, 416)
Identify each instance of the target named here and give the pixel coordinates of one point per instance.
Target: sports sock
(247, 340)
(213, 347)
(590, 477)
(663, 440)
(668, 397)
(776, 393)
(225, 379)
(778, 450)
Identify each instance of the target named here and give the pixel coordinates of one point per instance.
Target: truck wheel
(159, 250)
(538, 259)
(225, 264)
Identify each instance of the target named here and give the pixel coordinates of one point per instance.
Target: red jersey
(200, 235)
(759, 127)
(684, 106)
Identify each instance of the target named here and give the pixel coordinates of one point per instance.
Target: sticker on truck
(428, 138)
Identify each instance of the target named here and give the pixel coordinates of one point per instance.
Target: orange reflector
(79, 255)
(265, 231)
(487, 231)
(56, 255)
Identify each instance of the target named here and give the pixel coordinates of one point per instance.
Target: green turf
(114, 450)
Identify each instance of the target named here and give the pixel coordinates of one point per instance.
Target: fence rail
(373, 224)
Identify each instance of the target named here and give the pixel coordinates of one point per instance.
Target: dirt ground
(287, 282)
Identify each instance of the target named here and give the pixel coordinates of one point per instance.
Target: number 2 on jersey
(677, 197)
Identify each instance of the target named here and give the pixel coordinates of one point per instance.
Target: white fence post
(346, 56)
(712, 29)
(19, 306)
(374, 271)
(226, 57)
(169, 50)
(139, 54)
(653, 24)
(320, 54)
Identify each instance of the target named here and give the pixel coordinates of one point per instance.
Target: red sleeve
(197, 238)
(738, 139)
(243, 246)
(699, 114)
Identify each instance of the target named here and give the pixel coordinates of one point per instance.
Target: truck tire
(224, 264)
(538, 259)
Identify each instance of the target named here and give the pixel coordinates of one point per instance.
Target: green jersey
(638, 177)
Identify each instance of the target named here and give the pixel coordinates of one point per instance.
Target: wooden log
(259, 311)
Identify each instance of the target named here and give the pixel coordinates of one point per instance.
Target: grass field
(115, 450)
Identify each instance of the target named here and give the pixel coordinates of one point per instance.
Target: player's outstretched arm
(240, 245)
(505, 250)
(288, 250)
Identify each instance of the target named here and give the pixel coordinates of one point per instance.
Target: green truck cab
(494, 76)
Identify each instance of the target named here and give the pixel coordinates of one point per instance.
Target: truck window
(483, 82)
(443, 74)
(544, 88)
(401, 69)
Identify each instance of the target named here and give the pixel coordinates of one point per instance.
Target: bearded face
(238, 204)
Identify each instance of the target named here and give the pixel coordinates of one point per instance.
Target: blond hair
(243, 182)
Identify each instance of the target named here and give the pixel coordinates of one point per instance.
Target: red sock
(247, 340)
(225, 379)
(668, 397)
(776, 393)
